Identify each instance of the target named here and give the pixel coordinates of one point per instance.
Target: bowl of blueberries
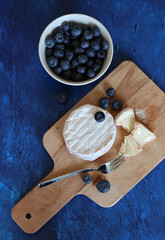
(75, 49)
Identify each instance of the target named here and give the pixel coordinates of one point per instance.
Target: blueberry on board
(76, 31)
(62, 97)
(96, 31)
(58, 30)
(66, 74)
(101, 54)
(99, 116)
(82, 58)
(59, 37)
(81, 69)
(96, 68)
(84, 43)
(79, 77)
(105, 45)
(89, 64)
(74, 63)
(90, 52)
(99, 61)
(87, 179)
(58, 53)
(88, 35)
(50, 42)
(75, 43)
(104, 102)
(65, 64)
(91, 73)
(49, 52)
(60, 47)
(95, 46)
(103, 186)
(65, 26)
(116, 105)
(78, 50)
(52, 62)
(69, 54)
(66, 39)
(57, 70)
(110, 92)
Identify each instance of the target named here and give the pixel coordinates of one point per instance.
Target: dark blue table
(29, 107)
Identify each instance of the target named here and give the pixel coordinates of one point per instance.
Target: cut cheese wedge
(126, 119)
(129, 147)
(141, 134)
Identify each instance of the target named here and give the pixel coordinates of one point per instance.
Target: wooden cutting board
(135, 90)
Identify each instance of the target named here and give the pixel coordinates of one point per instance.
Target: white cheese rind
(85, 137)
(129, 147)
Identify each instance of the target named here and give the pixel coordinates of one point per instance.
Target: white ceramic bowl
(83, 19)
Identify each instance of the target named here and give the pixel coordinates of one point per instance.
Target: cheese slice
(85, 137)
(126, 119)
(129, 147)
(141, 134)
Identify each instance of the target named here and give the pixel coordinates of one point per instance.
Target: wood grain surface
(135, 90)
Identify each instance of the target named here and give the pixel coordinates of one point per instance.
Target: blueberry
(52, 62)
(49, 52)
(110, 92)
(99, 116)
(103, 186)
(101, 54)
(104, 102)
(105, 45)
(50, 42)
(84, 44)
(58, 30)
(66, 39)
(59, 37)
(96, 68)
(91, 73)
(96, 31)
(57, 70)
(58, 53)
(89, 64)
(60, 47)
(79, 77)
(69, 54)
(99, 61)
(72, 37)
(65, 26)
(73, 75)
(78, 50)
(62, 97)
(87, 179)
(71, 25)
(75, 43)
(81, 69)
(88, 35)
(98, 40)
(90, 52)
(85, 28)
(74, 63)
(76, 31)
(82, 58)
(66, 74)
(95, 46)
(116, 105)
(65, 65)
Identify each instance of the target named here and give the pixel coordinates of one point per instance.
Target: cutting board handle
(41, 204)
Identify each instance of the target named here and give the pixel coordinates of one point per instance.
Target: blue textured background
(29, 107)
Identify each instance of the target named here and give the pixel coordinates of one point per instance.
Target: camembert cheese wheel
(87, 138)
